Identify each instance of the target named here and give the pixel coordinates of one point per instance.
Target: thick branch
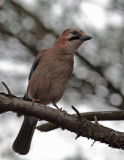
(81, 127)
(101, 116)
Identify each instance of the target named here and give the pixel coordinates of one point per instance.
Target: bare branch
(8, 90)
(101, 116)
(99, 70)
(83, 128)
(96, 122)
(78, 114)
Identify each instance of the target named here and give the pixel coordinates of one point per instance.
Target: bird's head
(73, 38)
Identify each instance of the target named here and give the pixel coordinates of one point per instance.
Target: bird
(49, 75)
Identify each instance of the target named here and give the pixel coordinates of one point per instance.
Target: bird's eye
(74, 32)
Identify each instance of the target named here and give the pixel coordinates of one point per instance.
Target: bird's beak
(85, 38)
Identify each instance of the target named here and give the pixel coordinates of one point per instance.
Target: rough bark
(101, 116)
(80, 126)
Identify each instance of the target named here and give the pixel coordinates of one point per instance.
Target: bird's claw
(35, 100)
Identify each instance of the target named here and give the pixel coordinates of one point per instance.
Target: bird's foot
(62, 110)
(35, 100)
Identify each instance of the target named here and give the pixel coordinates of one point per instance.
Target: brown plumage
(49, 76)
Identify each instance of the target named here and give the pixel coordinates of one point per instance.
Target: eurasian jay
(48, 78)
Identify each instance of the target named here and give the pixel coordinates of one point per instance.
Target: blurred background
(26, 27)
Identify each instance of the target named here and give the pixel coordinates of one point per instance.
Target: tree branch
(81, 127)
(99, 70)
(101, 116)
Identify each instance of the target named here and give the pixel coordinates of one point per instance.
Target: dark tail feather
(22, 142)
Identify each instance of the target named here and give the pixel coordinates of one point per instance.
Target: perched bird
(48, 78)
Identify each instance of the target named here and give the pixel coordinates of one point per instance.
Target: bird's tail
(22, 142)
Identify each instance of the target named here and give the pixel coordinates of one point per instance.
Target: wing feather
(34, 66)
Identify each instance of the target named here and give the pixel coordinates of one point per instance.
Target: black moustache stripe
(74, 38)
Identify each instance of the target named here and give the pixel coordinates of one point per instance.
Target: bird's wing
(34, 65)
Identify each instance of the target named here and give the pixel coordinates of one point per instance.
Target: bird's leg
(60, 109)
(34, 100)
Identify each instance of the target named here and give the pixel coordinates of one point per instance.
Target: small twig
(96, 121)
(78, 135)
(78, 114)
(8, 90)
(93, 143)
